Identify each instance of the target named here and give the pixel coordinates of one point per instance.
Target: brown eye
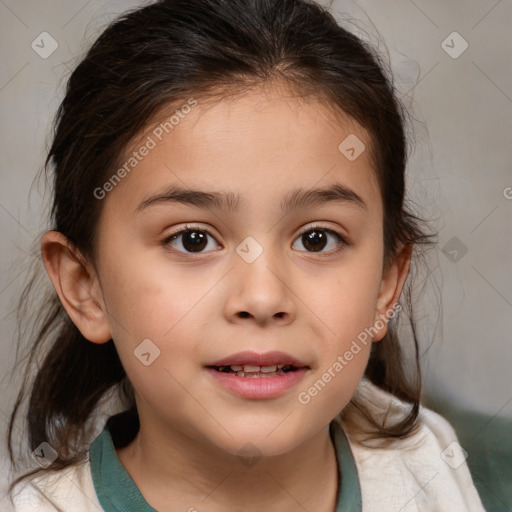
(316, 239)
(191, 240)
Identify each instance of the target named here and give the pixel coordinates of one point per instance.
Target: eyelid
(317, 225)
(189, 227)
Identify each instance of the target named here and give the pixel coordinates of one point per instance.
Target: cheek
(334, 383)
(152, 306)
(150, 300)
(344, 300)
(147, 297)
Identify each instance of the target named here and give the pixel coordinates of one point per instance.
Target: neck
(175, 472)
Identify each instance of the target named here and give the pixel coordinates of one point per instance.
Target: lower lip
(258, 387)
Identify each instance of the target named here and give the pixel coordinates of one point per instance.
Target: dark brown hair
(157, 56)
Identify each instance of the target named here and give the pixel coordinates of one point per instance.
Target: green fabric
(114, 487)
(349, 493)
(117, 491)
(488, 441)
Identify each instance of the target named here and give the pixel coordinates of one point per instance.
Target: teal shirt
(117, 491)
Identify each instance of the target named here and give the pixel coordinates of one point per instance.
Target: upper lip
(255, 359)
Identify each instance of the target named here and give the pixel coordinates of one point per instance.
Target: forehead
(261, 144)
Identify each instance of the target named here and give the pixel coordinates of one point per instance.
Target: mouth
(258, 376)
(250, 364)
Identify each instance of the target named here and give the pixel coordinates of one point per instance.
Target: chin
(258, 440)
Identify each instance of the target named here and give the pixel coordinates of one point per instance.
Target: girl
(230, 242)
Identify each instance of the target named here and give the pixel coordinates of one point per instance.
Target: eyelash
(343, 242)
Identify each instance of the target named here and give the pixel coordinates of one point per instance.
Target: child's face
(199, 308)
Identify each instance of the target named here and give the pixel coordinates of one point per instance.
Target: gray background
(459, 171)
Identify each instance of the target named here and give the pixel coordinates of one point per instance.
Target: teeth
(250, 368)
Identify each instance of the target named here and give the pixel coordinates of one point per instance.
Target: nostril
(244, 314)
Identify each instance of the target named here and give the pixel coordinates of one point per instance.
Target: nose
(260, 292)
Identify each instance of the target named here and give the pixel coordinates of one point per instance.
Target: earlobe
(77, 287)
(393, 280)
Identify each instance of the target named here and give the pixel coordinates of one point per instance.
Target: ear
(393, 280)
(77, 286)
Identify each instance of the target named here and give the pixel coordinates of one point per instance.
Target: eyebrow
(296, 199)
